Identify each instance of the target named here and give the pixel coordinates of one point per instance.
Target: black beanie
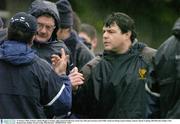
(65, 13)
(24, 22)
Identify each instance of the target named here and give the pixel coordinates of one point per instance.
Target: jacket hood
(72, 41)
(176, 28)
(16, 53)
(40, 7)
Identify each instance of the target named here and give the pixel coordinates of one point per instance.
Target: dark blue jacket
(28, 83)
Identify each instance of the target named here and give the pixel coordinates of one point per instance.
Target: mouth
(106, 43)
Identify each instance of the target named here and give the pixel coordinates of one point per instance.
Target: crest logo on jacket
(142, 73)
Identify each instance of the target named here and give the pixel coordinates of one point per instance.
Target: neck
(125, 47)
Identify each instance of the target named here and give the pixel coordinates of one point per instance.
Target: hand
(60, 63)
(76, 78)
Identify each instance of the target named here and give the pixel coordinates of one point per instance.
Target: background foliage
(154, 18)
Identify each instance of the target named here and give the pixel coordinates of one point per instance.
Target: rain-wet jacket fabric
(28, 83)
(116, 87)
(167, 70)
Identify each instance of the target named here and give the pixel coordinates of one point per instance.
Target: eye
(40, 25)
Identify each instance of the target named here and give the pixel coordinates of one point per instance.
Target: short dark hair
(89, 30)
(124, 22)
(18, 35)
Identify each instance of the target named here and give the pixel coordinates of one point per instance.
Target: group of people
(47, 71)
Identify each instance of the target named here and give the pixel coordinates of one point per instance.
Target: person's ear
(128, 34)
(94, 43)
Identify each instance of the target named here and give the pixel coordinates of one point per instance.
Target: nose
(105, 35)
(43, 29)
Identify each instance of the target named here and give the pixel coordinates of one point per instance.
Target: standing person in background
(80, 54)
(27, 82)
(88, 34)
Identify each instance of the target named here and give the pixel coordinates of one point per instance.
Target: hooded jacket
(39, 7)
(115, 87)
(28, 83)
(167, 70)
(46, 49)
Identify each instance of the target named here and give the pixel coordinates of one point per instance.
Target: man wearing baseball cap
(28, 83)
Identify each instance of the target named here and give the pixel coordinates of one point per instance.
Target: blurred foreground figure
(167, 73)
(27, 82)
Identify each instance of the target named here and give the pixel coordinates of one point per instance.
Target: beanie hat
(1, 23)
(65, 13)
(24, 22)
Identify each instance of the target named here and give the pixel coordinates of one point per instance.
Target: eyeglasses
(48, 27)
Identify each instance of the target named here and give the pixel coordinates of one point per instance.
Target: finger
(63, 55)
(77, 82)
(67, 57)
(55, 57)
(73, 74)
(75, 69)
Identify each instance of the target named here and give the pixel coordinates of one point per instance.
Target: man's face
(46, 26)
(113, 38)
(85, 37)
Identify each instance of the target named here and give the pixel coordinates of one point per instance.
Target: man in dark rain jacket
(45, 42)
(80, 54)
(27, 82)
(116, 86)
(167, 73)
(47, 16)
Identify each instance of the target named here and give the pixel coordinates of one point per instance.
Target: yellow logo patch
(142, 73)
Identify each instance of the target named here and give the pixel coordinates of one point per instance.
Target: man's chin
(107, 49)
(41, 40)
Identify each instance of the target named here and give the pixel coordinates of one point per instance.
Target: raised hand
(60, 63)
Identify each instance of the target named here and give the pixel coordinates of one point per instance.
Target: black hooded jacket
(115, 87)
(167, 70)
